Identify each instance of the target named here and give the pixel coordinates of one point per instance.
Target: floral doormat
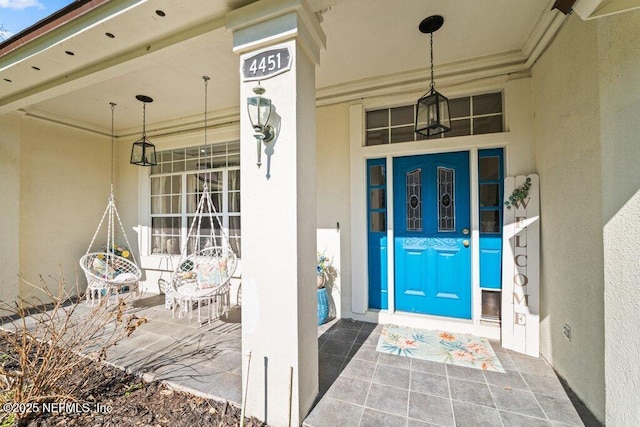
(437, 346)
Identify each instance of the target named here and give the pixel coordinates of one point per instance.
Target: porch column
(279, 297)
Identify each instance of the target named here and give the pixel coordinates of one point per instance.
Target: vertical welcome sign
(521, 268)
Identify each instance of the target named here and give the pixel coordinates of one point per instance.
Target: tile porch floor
(358, 386)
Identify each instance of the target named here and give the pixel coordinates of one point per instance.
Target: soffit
(165, 58)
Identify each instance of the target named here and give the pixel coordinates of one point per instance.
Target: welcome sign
(521, 267)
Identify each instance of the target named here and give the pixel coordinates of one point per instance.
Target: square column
(279, 296)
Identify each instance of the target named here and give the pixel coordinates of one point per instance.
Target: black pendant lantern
(432, 110)
(143, 152)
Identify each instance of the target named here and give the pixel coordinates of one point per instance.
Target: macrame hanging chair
(111, 267)
(207, 260)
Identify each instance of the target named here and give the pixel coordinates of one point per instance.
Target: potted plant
(324, 266)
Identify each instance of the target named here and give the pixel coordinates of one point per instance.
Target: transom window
(470, 115)
(177, 184)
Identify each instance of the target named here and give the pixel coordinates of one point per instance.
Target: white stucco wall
(333, 212)
(9, 208)
(63, 186)
(618, 62)
(567, 146)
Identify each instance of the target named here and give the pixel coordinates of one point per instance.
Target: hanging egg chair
(207, 261)
(112, 267)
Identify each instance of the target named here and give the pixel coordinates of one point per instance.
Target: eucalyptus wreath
(519, 194)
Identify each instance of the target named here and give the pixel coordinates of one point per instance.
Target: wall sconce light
(432, 110)
(143, 152)
(259, 109)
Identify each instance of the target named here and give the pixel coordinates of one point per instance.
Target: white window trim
(165, 262)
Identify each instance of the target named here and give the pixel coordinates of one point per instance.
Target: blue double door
(432, 234)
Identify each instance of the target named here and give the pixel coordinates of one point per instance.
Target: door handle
(465, 243)
(465, 231)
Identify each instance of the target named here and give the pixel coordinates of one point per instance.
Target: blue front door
(432, 239)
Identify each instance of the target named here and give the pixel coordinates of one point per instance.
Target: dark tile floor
(362, 387)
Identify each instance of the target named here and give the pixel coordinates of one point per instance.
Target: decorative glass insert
(446, 199)
(414, 200)
(470, 115)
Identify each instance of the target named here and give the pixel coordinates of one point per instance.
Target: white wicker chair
(106, 271)
(203, 278)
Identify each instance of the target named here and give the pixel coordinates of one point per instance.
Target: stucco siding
(9, 207)
(568, 155)
(334, 221)
(619, 87)
(64, 188)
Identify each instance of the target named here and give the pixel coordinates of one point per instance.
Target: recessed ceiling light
(160, 13)
(68, 52)
(35, 68)
(7, 80)
(110, 35)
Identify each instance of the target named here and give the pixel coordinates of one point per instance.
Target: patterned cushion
(208, 274)
(99, 268)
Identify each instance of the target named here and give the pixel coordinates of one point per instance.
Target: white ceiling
(166, 57)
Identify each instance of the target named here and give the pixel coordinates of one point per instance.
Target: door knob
(465, 231)
(465, 243)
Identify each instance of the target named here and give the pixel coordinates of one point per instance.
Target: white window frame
(165, 262)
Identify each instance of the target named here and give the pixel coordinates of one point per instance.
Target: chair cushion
(209, 274)
(124, 278)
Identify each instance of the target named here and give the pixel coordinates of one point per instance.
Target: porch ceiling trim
(516, 63)
(115, 65)
(592, 9)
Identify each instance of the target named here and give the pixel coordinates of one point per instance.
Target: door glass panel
(489, 221)
(489, 195)
(378, 221)
(446, 199)
(489, 168)
(414, 200)
(376, 175)
(377, 199)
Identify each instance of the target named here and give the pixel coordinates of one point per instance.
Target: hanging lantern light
(143, 152)
(432, 110)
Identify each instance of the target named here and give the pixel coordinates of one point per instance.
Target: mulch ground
(133, 402)
(112, 397)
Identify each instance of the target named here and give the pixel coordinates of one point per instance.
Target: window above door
(470, 115)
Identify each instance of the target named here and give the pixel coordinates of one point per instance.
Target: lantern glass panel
(432, 114)
(143, 153)
(259, 109)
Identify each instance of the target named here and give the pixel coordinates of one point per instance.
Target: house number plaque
(266, 64)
